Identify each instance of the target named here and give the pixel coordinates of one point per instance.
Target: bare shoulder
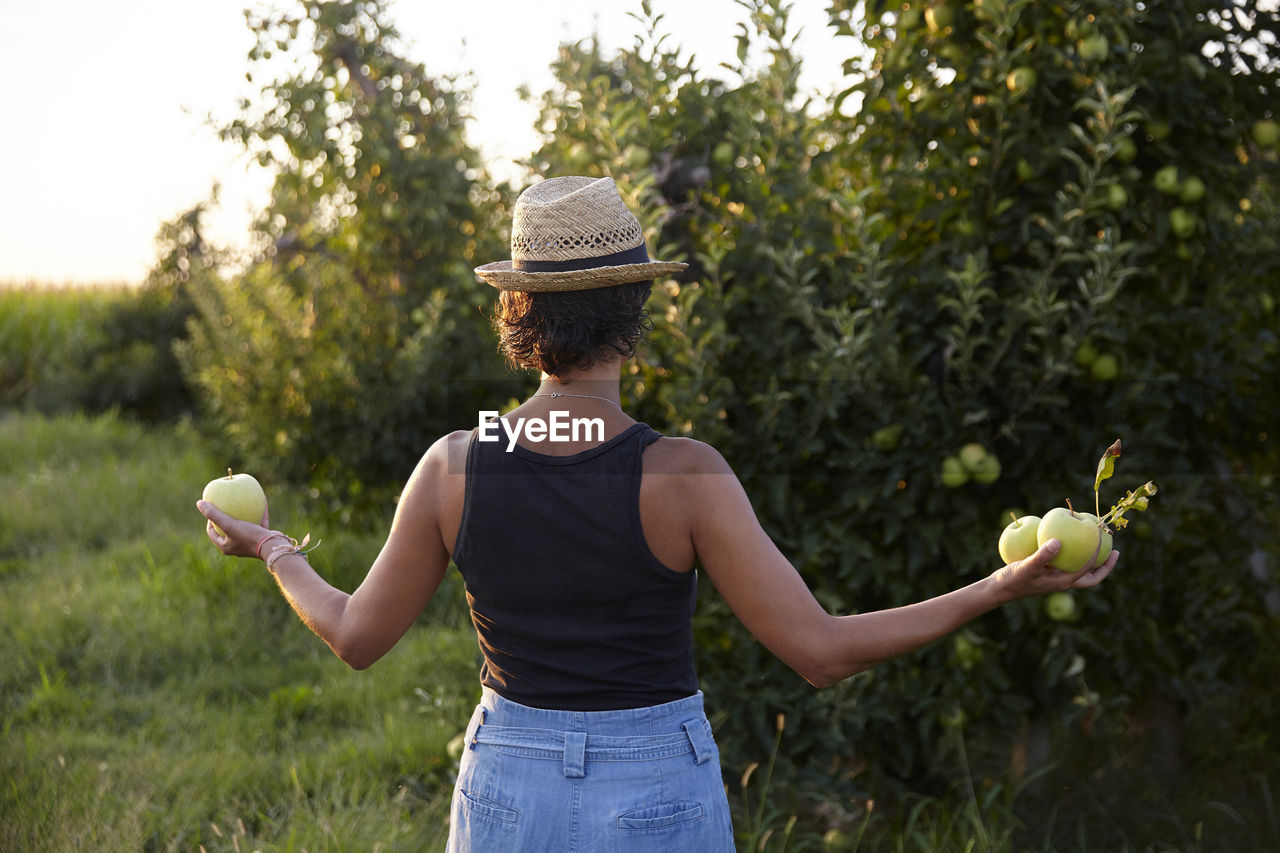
(446, 456)
(684, 456)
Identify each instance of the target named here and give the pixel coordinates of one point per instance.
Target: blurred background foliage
(1035, 227)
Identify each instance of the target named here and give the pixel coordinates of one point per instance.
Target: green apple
(238, 495)
(836, 840)
(972, 456)
(1105, 367)
(939, 17)
(988, 471)
(1117, 197)
(1158, 129)
(1266, 133)
(1021, 79)
(953, 473)
(1166, 180)
(635, 157)
(1126, 150)
(1078, 533)
(1018, 541)
(1060, 606)
(1104, 550)
(1192, 190)
(1183, 222)
(1025, 170)
(723, 154)
(1086, 354)
(1094, 48)
(886, 438)
(966, 652)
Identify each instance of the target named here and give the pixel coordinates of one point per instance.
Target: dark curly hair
(556, 331)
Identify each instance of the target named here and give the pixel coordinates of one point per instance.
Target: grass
(42, 328)
(158, 696)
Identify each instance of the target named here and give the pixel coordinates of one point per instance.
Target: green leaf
(1107, 464)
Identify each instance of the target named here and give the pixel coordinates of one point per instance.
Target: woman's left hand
(237, 538)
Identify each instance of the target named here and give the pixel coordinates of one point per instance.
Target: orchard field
(1034, 228)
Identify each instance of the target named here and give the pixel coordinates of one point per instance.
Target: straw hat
(574, 234)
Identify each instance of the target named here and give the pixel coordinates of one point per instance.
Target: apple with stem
(1078, 532)
(1018, 541)
(239, 496)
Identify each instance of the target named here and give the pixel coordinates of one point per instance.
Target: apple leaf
(1107, 464)
(1138, 500)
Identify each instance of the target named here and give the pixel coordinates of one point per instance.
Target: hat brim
(504, 277)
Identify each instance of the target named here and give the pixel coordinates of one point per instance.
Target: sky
(105, 106)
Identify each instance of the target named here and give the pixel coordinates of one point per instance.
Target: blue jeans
(643, 779)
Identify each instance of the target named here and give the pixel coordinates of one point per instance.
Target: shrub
(329, 361)
(927, 258)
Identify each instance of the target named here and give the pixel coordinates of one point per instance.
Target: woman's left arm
(363, 626)
(771, 599)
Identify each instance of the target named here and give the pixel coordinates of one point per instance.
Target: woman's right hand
(237, 538)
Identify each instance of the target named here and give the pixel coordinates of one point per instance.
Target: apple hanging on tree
(1060, 606)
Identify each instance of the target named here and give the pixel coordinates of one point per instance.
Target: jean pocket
(483, 807)
(660, 817)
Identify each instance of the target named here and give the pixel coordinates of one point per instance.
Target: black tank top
(572, 610)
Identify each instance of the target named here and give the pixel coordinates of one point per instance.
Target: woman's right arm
(771, 599)
(363, 626)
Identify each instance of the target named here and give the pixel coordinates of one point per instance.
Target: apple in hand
(1104, 552)
(1077, 531)
(239, 496)
(1018, 541)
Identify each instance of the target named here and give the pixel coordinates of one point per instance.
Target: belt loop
(575, 754)
(699, 734)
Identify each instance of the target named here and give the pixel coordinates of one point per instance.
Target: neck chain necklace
(583, 396)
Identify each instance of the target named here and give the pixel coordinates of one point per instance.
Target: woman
(577, 550)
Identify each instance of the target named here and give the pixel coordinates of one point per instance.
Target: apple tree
(328, 360)
(1066, 203)
(970, 246)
